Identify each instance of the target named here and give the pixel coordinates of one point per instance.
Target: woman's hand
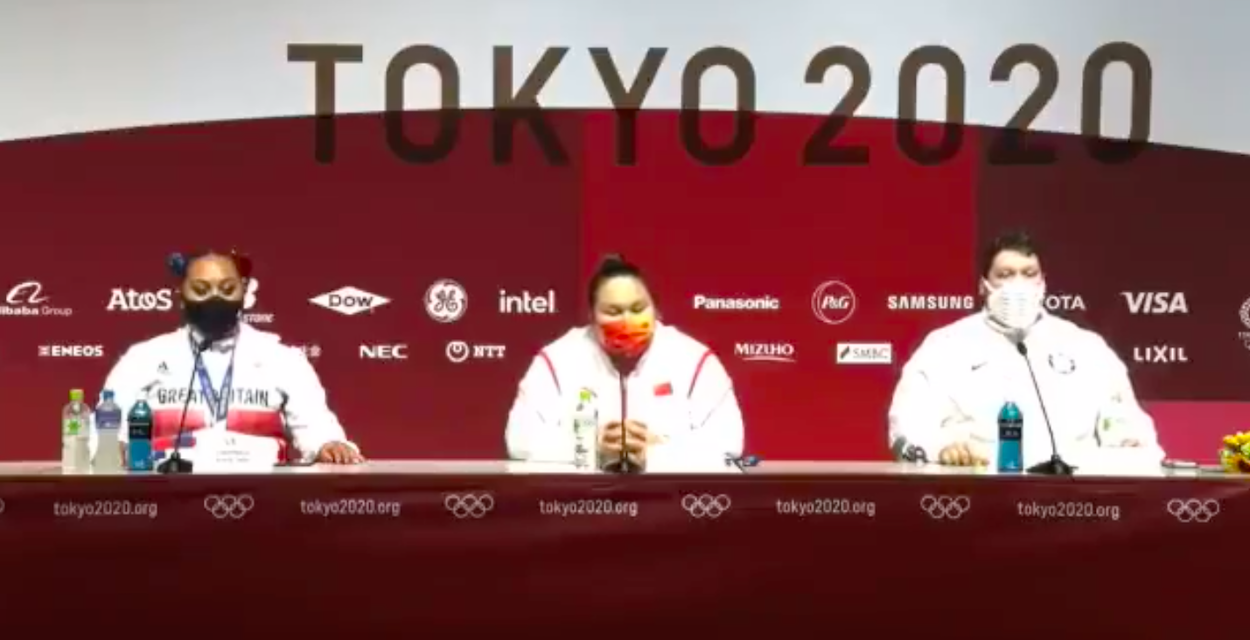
(339, 453)
(633, 437)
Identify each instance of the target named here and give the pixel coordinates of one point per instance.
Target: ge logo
(1193, 510)
(446, 301)
(705, 505)
(469, 505)
(833, 302)
(945, 507)
(249, 300)
(227, 506)
(457, 351)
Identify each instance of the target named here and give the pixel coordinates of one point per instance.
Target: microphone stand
(624, 465)
(1056, 466)
(175, 464)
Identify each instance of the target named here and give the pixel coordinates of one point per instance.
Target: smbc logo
(131, 300)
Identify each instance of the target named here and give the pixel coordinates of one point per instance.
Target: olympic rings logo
(469, 505)
(228, 506)
(945, 507)
(1193, 510)
(705, 505)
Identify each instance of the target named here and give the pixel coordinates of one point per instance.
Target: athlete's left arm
(309, 420)
(1121, 418)
(716, 429)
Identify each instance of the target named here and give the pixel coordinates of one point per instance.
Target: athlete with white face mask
(946, 404)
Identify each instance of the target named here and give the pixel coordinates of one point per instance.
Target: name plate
(225, 452)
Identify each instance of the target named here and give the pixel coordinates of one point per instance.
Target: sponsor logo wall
(421, 290)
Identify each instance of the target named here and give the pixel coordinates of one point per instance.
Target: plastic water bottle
(108, 422)
(139, 449)
(586, 432)
(76, 435)
(1010, 436)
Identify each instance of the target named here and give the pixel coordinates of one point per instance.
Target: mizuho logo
(765, 351)
(131, 300)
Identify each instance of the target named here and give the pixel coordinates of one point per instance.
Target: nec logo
(1155, 302)
(71, 351)
(383, 352)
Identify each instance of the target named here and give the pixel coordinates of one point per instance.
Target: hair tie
(177, 264)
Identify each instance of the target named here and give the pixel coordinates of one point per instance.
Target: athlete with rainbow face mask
(664, 400)
(947, 401)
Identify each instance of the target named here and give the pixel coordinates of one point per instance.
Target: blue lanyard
(218, 401)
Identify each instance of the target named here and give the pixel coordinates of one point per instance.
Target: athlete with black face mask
(245, 381)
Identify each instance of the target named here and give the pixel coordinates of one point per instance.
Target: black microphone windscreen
(1024, 351)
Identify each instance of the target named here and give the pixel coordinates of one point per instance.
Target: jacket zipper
(624, 417)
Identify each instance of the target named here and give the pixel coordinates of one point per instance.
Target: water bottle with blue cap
(1010, 437)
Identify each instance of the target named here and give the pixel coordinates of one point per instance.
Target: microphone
(905, 451)
(741, 462)
(1056, 465)
(175, 464)
(624, 465)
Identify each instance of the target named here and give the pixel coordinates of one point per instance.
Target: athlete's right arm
(922, 415)
(534, 431)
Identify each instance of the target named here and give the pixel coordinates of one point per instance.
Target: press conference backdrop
(422, 260)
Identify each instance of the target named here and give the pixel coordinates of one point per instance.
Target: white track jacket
(274, 391)
(954, 385)
(679, 390)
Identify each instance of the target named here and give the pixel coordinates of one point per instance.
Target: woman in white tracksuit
(243, 380)
(663, 398)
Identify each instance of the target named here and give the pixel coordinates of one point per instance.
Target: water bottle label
(72, 427)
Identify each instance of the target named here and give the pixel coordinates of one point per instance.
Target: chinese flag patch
(665, 389)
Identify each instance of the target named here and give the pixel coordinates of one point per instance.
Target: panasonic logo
(711, 303)
(765, 351)
(912, 302)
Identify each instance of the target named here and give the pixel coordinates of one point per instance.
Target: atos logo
(131, 300)
(383, 352)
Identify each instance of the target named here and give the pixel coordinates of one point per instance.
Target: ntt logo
(713, 303)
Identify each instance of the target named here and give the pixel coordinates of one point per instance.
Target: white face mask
(1015, 304)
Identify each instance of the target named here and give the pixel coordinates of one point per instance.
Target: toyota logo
(1193, 510)
(945, 507)
(469, 505)
(705, 505)
(227, 506)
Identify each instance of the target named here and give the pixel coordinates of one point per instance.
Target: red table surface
(1169, 563)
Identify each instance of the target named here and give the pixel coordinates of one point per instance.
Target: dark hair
(1019, 241)
(612, 266)
(180, 263)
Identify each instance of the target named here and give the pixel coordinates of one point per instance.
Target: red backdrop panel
(99, 212)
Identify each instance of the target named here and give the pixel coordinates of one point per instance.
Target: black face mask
(214, 317)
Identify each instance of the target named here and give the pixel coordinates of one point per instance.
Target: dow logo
(349, 301)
